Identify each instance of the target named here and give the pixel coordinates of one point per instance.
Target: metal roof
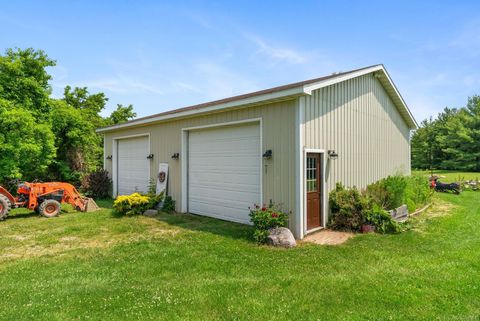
(277, 93)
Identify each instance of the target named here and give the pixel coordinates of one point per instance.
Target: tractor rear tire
(5, 207)
(49, 208)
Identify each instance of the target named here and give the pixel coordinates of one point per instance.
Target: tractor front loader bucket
(90, 205)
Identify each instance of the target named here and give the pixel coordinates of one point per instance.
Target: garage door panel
(133, 167)
(224, 171)
(228, 195)
(234, 184)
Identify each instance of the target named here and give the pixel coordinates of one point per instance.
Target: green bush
(168, 204)
(381, 219)
(418, 192)
(265, 218)
(133, 204)
(348, 206)
(154, 200)
(388, 192)
(152, 194)
(96, 184)
(394, 191)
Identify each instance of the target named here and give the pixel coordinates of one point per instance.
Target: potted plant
(367, 228)
(370, 220)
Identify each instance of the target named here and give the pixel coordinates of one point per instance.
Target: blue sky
(164, 55)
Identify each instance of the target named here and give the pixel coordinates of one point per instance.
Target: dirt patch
(328, 237)
(438, 209)
(36, 243)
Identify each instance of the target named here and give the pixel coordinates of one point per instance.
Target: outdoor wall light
(109, 157)
(176, 156)
(150, 156)
(268, 154)
(332, 154)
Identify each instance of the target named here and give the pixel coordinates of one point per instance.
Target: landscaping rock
(150, 213)
(400, 214)
(281, 236)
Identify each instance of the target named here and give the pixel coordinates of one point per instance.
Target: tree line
(451, 141)
(47, 138)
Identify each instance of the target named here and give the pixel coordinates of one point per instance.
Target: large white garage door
(133, 166)
(224, 171)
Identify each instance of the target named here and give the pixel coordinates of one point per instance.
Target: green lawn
(95, 266)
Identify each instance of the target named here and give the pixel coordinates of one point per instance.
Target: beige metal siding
(357, 119)
(278, 121)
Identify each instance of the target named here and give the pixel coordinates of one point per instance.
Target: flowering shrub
(133, 204)
(265, 218)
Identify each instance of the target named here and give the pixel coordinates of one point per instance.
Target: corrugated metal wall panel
(358, 119)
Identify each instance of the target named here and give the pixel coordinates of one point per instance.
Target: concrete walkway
(328, 237)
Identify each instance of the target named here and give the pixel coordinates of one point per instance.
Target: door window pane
(311, 174)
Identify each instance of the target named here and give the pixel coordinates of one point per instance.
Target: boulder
(281, 236)
(400, 214)
(150, 213)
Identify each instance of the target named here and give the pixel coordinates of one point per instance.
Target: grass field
(95, 266)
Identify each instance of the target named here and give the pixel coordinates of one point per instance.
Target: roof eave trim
(291, 92)
(309, 88)
(414, 124)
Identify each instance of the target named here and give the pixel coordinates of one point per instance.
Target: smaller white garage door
(224, 167)
(133, 167)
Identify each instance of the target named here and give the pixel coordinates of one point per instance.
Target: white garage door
(133, 166)
(224, 171)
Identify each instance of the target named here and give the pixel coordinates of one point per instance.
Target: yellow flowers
(133, 204)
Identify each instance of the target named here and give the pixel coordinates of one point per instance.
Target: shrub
(152, 194)
(154, 200)
(152, 187)
(348, 207)
(381, 219)
(133, 204)
(265, 218)
(168, 204)
(394, 191)
(388, 192)
(418, 192)
(96, 184)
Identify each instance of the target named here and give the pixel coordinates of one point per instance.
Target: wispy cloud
(216, 81)
(277, 53)
(199, 19)
(119, 85)
(468, 39)
(123, 85)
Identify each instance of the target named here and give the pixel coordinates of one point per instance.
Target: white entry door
(133, 167)
(224, 166)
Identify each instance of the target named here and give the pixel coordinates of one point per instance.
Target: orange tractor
(44, 198)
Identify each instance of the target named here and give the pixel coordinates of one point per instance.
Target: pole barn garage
(289, 144)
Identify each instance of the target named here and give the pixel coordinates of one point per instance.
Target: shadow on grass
(22, 215)
(208, 225)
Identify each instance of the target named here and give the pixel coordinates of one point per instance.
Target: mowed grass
(95, 266)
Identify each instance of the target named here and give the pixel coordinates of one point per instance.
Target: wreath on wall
(161, 176)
